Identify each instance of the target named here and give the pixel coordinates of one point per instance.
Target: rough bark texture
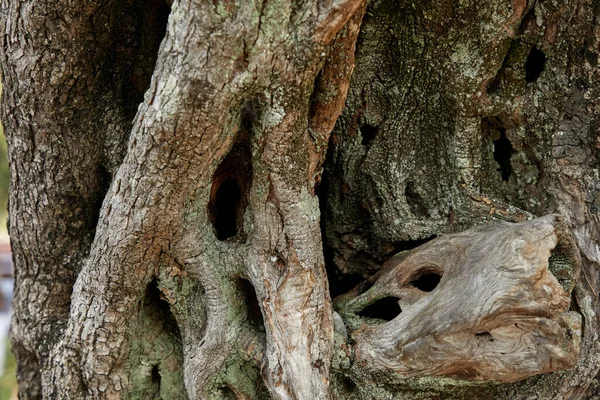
(165, 163)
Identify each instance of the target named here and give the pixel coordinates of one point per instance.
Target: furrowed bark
(508, 96)
(169, 245)
(249, 94)
(61, 109)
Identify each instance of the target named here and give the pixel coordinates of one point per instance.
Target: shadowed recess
(156, 349)
(155, 375)
(535, 64)
(149, 20)
(227, 201)
(231, 182)
(386, 309)
(427, 282)
(493, 130)
(503, 151)
(251, 301)
(368, 133)
(484, 337)
(226, 393)
(404, 245)
(102, 184)
(154, 300)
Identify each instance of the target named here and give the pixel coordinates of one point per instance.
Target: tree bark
(166, 199)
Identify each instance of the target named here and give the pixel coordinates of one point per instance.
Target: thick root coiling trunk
(166, 159)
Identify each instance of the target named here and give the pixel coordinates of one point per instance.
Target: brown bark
(164, 213)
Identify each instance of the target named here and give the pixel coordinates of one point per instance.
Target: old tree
(304, 199)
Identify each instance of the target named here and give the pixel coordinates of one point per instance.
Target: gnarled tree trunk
(174, 238)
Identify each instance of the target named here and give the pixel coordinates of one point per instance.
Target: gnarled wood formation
(499, 312)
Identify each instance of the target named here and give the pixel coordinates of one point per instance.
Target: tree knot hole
(226, 203)
(503, 151)
(251, 301)
(368, 133)
(386, 309)
(427, 281)
(535, 64)
(155, 375)
(231, 182)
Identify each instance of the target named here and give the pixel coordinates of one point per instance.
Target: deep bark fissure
(535, 64)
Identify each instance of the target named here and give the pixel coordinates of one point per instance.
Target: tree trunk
(173, 237)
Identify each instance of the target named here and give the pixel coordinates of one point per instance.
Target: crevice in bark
(154, 299)
(150, 24)
(226, 393)
(535, 64)
(155, 376)
(103, 180)
(252, 304)
(339, 285)
(368, 133)
(493, 129)
(405, 245)
(386, 309)
(427, 281)
(484, 337)
(503, 151)
(231, 183)
(156, 354)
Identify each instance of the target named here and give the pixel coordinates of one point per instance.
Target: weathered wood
(169, 245)
(500, 311)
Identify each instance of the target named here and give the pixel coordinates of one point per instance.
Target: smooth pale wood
(498, 312)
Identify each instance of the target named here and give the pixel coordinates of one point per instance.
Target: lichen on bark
(166, 159)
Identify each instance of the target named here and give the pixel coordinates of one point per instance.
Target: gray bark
(168, 239)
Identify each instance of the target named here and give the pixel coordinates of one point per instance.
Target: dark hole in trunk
(103, 180)
(227, 393)
(150, 29)
(348, 386)
(503, 151)
(427, 282)
(535, 64)
(251, 301)
(227, 202)
(346, 283)
(157, 312)
(231, 182)
(154, 299)
(155, 375)
(368, 133)
(386, 309)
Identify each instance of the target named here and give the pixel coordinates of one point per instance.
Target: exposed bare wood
(500, 311)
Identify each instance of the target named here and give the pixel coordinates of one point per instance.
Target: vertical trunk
(216, 190)
(165, 163)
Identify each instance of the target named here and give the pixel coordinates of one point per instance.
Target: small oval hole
(427, 281)
(368, 133)
(386, 309)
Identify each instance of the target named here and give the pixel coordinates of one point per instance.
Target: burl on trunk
(490, 303)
